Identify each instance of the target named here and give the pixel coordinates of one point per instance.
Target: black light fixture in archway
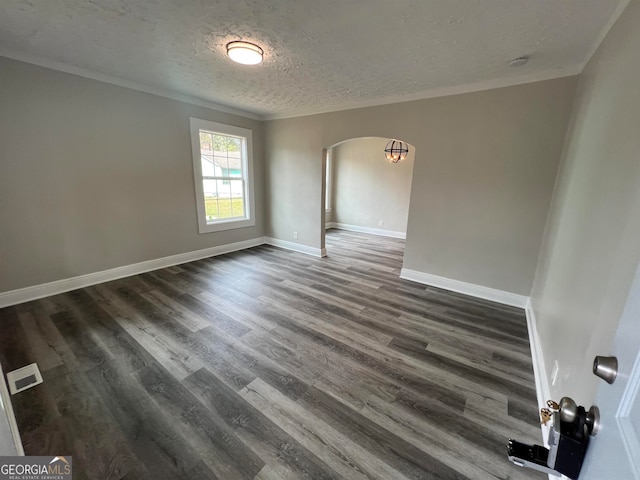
(396, 151)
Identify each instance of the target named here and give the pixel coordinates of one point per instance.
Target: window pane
(225, 143)
(237, 195)
(221, 162)
(206, 153)
(230, 203)
(230, 199)
(225, 201)
(206, 142)
(207, 165)
(210, 188)
(211, 209)
(235, 164)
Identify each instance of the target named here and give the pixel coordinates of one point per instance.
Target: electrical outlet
(381, 223)
(554, 372)
(295, 235)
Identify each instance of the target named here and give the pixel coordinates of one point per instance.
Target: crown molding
(435, 92)
(386, 100)
(622, 5)
(130, 84)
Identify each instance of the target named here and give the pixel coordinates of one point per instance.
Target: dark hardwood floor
(272, 365)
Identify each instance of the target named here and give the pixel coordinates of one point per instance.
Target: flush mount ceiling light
(396, 151)
(245, 53)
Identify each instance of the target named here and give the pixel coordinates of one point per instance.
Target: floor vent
(23, 378)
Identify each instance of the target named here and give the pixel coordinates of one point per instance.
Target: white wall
(483, 176)
(367, 188)
(8, 443)
(592, 242)
(95, 176)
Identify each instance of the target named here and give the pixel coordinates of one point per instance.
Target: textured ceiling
(320, 55)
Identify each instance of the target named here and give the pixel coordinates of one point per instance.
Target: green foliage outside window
(219, 143)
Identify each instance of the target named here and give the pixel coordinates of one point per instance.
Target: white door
(614, 453)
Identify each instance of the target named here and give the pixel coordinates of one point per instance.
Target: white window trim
(196, 125)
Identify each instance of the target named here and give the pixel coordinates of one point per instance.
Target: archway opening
(364, 193)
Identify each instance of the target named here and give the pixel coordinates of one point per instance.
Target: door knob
(568, 410)
(606, 368)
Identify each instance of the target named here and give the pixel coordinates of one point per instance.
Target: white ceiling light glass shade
(245, 53)
(396, 151)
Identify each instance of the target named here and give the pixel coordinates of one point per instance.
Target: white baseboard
(22, 295)
(543, 390)
(486, 293)
(372, 231)
(296, 247)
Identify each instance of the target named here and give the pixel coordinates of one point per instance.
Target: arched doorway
(362, 191)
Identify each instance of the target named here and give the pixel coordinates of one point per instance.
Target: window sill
(229, 225)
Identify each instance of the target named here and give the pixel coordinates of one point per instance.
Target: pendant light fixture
(396, 151)
(245, 53)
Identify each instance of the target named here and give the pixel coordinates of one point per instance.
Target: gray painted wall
(592, 243)
(367, 188)
(483, 176)
(95, 176)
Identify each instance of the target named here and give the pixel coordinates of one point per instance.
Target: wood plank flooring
(267, 364)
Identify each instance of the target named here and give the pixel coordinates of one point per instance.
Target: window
(222, 168)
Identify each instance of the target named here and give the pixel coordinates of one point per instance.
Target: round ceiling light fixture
(245, 53)
(396, 151)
